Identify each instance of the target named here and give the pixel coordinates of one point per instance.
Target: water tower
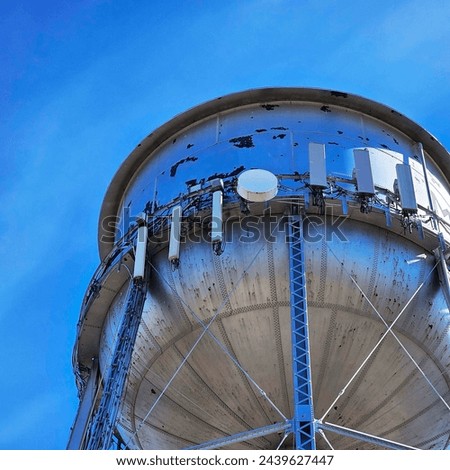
(274, 274)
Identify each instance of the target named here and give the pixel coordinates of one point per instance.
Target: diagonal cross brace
(284, 426)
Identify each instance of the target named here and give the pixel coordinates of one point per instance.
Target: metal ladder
(101, 429)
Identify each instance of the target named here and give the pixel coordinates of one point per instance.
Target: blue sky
(81, 83)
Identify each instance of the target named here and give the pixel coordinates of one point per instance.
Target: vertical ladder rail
(100, 434)
(303, 421)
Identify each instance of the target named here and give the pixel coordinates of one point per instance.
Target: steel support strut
(303, 422)
(100, 433)
(244, 436)
(362, 436)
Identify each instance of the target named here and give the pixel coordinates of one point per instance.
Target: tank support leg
(303, 422)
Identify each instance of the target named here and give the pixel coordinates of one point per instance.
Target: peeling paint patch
(279, 128)
(245, 141)
(384, 146)
(235, 172)
(261, 130)
(325, 109)
(279, 136)
(340, 132)
(333, 143)
(395, 140)
(339, 94)
(295, 144)
(174, 168)
(270, 107)
(188, 146)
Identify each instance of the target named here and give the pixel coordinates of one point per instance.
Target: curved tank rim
(239, 99)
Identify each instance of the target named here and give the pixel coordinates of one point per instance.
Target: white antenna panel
(317, 165)
(363, 172)
(406, 188)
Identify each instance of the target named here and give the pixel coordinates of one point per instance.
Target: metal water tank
(208, 197)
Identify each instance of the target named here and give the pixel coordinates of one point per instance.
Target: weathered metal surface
(247, 286)
(211, 398)
(271, 129)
